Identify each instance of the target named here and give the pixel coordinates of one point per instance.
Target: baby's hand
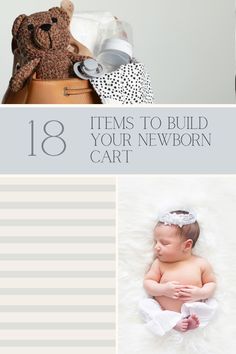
(172, 289)
(190, 293)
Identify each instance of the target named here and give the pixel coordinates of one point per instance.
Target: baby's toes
(185, 324)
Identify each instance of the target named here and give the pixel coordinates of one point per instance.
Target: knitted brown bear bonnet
(42, 41)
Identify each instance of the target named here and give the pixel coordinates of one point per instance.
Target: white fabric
(160, 321)
(111, 101)
(90, 28)
(130, 84)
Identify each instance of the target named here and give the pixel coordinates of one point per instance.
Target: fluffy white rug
(140, 199)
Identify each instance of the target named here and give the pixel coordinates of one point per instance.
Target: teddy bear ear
(68, 7)
(60, 12)
(16, 25)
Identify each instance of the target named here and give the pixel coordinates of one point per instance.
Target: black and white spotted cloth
(129, 84)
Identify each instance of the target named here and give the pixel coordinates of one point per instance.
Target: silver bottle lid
(88, 69)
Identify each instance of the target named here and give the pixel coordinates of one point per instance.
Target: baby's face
(169, 246)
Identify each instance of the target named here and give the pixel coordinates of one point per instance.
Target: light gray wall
(187, 45)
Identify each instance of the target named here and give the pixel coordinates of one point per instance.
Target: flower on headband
(177, 219)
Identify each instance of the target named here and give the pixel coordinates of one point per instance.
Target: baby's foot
(193, 321)
(182, 325)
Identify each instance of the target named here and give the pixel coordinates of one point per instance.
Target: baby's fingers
(185, 291)
(189, 287)
(178, 287)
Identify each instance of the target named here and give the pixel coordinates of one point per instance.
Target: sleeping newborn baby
(180, 284)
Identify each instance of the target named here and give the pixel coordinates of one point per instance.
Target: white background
(187, 45)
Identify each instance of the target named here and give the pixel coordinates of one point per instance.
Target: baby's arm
(154, 288)
(194, 293)
(208, 280)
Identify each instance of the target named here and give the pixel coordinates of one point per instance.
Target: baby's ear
(16, 25)
(188, 244)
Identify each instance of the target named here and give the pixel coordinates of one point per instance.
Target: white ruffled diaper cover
(160, 321)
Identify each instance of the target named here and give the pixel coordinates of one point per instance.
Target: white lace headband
(177, 219)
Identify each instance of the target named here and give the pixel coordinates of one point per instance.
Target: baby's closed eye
(163, 243)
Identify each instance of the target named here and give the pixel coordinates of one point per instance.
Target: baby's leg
(182, 325)
(157, 320)
(193, 321)
(187, 323)
(199, 313)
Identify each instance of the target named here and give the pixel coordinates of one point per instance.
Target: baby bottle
(116, 48)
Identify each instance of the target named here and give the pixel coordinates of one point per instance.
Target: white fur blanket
(213, 199)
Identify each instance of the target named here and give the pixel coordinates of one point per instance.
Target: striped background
(57, 265)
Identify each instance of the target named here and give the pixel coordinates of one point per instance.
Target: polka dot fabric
(130, 84)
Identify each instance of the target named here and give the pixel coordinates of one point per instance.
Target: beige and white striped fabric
(57, 265)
